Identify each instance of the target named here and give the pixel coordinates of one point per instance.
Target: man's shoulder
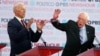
(89, 26)
(72, 22)
(12, 20)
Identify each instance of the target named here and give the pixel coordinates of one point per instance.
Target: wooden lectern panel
(91, 52)
(48, 50)
(41, 51)
(97, 51)
(88, 53)
(31, 52)
(2, 45)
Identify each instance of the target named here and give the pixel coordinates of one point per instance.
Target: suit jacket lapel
(17, 22)
(78, 32)
(87, 32)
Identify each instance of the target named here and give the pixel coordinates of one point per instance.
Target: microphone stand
(98, 45)
(43, 41)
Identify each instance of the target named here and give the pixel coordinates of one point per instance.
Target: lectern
(41, 51)
(91, 52)
(2, 45)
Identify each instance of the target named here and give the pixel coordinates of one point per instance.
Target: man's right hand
(56, 14)
(29, 23)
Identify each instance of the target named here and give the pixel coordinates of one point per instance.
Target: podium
(2, 45)
(41, 51)
(91, 52)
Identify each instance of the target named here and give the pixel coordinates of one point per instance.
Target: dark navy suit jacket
(73, 45)
(20, 37)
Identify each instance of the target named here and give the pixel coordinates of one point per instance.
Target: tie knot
(23, 23)
(22, 20)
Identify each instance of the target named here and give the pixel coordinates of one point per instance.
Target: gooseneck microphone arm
(43, 41)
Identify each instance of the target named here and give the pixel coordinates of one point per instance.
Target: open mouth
(80, 25)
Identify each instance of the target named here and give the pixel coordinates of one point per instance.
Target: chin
(22, 17)
(79, 26)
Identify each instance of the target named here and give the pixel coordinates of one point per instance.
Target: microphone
(43, 41)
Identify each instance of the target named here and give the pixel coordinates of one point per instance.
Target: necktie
(23, 23)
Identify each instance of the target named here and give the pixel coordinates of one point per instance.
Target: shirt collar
(19, 19)
(84, 27)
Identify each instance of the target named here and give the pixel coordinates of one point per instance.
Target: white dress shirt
(83, 35)
(19, 19)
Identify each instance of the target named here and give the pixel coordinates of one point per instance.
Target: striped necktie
(23, 23)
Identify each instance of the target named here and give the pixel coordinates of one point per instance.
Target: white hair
(86, 14)
(18, 4)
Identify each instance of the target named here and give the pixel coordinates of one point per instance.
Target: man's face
(82, 20)
(20, 11)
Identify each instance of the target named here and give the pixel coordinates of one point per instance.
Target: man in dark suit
(20, 33)
(80, 36)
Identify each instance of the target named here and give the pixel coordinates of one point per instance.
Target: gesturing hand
(40, 25)
(30, 23)
(56, 13)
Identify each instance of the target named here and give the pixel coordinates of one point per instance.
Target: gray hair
(18, 4)
(86, 14)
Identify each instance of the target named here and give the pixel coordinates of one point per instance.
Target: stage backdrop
(43, 10)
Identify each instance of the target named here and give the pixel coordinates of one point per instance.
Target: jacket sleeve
(92, 37)
(35, 36)
(58, 25)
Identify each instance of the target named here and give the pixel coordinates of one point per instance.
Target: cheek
(81, 21)
(19, 12)
(22, 13)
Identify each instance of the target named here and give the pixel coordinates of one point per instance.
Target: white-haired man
(80, 36)
(20, 33)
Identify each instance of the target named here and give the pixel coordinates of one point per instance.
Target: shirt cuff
(53, 20)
